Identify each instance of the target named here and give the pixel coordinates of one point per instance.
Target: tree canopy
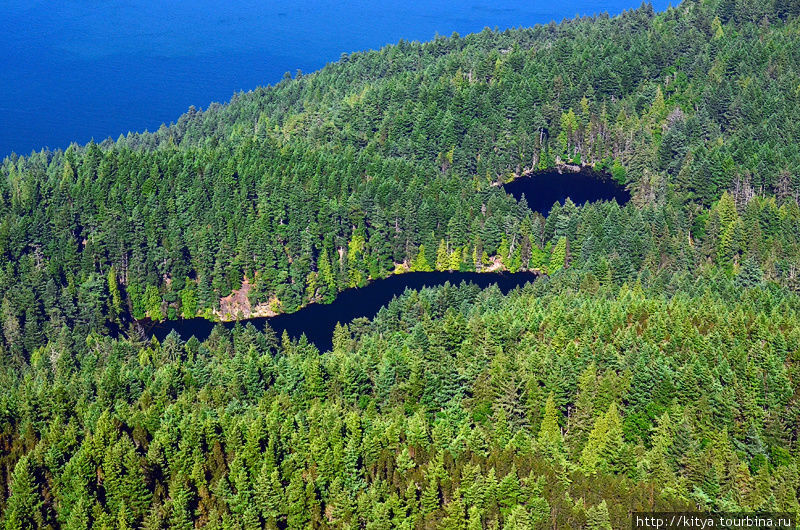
(651, 368)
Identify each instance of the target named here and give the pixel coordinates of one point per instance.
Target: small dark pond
(542, 190)
(318, 320)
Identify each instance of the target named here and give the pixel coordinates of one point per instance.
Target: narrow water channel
(317, 321)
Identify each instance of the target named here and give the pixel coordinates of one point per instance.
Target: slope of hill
(320, 182)
(654, 369)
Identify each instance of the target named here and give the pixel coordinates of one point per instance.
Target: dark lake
(318, 320)
(543, 189)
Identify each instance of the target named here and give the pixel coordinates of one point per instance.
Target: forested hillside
(326, 180)
(558, 406)
(652, 368)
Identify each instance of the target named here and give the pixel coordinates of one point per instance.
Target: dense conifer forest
(652, 367)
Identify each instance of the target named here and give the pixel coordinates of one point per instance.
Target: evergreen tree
(598, 518)
(420, 262)
(442, 258)
(24, 502)
(558, 256)
(114, 296)
(550, 438)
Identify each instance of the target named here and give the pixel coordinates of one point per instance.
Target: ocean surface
(81, 69)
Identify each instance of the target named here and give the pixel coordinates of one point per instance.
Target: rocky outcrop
(237, 305)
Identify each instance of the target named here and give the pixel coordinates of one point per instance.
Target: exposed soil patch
(497, 265)
(237, 305)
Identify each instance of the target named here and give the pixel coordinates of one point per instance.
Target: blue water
(81, 69)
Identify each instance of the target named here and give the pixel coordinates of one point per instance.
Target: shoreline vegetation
(237, 305)
(595, 169)
(352, 307)
(242, 311)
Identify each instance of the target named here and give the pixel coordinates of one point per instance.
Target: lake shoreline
(541, 189)
(317, 320)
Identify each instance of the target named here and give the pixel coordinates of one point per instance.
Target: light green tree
(597, 517)
(152, 300)
(558, 256)
(114, 296)
(442, 259)
(188, 301)
(420, 262)
(24, 502)
(550, 438)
